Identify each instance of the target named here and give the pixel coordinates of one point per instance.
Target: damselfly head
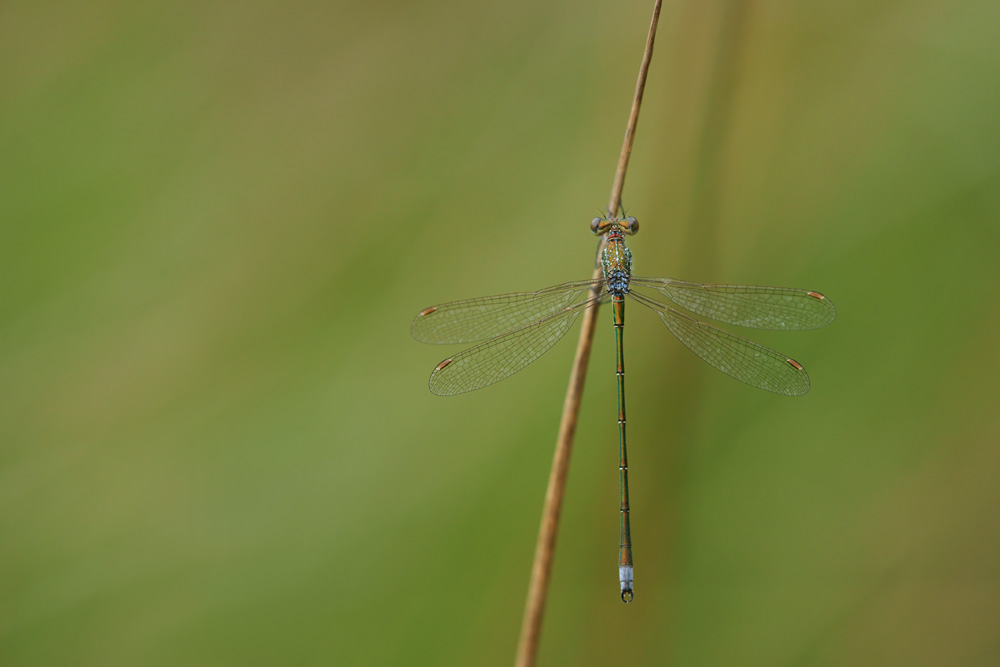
(601, 226)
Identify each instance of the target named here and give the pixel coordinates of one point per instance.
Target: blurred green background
(217, 219)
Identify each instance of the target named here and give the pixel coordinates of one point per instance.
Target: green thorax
(616, 261)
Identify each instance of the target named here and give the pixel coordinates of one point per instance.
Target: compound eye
(595, 225)
(633, 225)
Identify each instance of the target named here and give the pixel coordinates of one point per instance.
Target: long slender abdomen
(625, 543)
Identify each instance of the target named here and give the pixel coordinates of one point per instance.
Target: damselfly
(515, 329)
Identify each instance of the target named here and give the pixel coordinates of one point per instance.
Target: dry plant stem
(534, 609)
(633, 116)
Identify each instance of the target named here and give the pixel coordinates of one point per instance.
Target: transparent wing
(502, 356)
(479, 319)
(748, 362)
(754, 306)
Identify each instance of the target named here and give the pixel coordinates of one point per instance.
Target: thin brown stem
(534, 610)
(633, 117)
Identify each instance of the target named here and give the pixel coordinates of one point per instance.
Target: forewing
(487, 317)
(748, 362)
(502, 356)
(753, 306)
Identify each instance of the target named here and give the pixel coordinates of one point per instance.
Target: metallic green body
(616, 262)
